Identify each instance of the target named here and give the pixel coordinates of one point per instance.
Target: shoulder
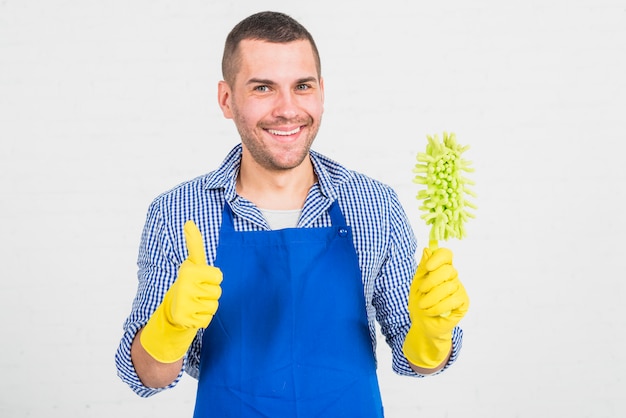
(368, 204)
(337, 179)
(205, 190)
(185, 194)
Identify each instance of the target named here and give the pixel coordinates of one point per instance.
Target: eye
(262, 88)
(303, 87)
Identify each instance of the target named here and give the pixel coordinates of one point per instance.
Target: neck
(275, 189)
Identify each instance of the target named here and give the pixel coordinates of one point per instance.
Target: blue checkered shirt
(383, 239)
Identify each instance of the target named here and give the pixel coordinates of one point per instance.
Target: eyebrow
(270, 82)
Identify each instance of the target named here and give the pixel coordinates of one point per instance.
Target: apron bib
(290, 338)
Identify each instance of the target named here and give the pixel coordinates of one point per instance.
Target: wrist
(164, 341)
(426, 351)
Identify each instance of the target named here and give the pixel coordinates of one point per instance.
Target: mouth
(279, 132)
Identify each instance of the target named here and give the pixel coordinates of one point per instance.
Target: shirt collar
(225, 177)
(330, 174)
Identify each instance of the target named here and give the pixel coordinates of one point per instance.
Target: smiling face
(276, 101)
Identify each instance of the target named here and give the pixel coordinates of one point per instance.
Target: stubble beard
(279, 157)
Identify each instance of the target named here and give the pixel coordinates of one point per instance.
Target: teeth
(284, 133)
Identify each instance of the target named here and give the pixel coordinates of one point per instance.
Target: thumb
(195, 245)
(440, 257)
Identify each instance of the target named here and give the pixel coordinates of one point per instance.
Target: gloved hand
(188, 305)
(437, 302)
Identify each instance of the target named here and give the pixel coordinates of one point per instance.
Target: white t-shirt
(280, 219)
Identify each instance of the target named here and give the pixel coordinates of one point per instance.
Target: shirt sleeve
(392, 290)
(157, 269)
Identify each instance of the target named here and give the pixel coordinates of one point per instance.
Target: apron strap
(228, 224)
(336, 216)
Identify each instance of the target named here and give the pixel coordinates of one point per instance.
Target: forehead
(266, 59)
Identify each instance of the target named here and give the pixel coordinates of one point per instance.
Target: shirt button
(342, 232)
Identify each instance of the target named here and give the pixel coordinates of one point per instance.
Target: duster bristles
(444, 201)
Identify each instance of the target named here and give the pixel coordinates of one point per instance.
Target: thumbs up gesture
(189, 304)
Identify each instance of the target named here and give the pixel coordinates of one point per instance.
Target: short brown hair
(263, 26)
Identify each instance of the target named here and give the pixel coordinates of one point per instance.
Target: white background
(105, 104)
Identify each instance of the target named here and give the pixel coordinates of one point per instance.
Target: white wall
(105, 104)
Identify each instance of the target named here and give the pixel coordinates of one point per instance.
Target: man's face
(276, 102)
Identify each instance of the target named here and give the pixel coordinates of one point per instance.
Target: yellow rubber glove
(437, 302)
(188, 305)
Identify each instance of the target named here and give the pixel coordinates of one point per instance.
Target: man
(264, 278)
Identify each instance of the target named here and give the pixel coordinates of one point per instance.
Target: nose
(286, 104)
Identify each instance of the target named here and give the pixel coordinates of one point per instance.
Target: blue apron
(290, 338)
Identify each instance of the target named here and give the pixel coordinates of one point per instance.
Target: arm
(392, 299)
(150, 357)
(158, 262)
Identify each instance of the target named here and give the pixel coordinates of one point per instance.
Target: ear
(322, 90)
(224, 94)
